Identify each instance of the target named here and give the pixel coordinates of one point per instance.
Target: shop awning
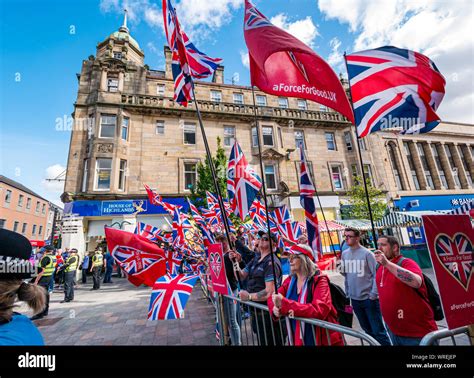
(404, 218)
(358, 224)
(331, 225)
(37, 243)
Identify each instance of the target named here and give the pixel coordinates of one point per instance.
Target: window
(254, 137)
(125, 123)
(216, 96)
(160, 89)
(107, 126)
(283, 102)
(299, 139)
(355, 172)
(189, 133)
(23, 228)
(20, 200)
(270, 176)
(395, 167)
(40, 232)
(424, 164)
(330, 141)
(33, 231)
(85, 174)
(229, 136)
(323, 108)
(112, 84)
(261, 100)
(238, 98)
(190, 175)
(2, 223)
(336, 177)
(8, 196)
(160, 127)
(348, 140)
(452, 164)
(122, 174)
(28, 203)
(103, 170)
(15, 226)
(368, 173)
(38, 204)
(414, 175)
(442, 175)
(267, 132)
(362, 144)
(416, 232)
(302, 104)
(43, 210)
(117, 55)
(464, 164)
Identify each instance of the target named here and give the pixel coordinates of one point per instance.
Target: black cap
(273, 236)
(15, 251)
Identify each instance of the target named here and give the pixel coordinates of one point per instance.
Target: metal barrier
(435, 337)
(257, 327)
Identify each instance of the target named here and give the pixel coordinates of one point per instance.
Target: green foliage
(204, 180)
(358, 201)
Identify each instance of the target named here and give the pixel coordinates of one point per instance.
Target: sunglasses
(349, 236)
(265, 238)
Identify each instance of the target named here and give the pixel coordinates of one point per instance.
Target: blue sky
(44, 42)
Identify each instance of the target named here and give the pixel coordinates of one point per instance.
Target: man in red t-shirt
(403, 295)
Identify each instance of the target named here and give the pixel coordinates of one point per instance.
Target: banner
(217, 269)
(450, 242)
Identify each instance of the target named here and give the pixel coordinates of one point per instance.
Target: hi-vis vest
(73, 262)
(97, 260)
(48, 270)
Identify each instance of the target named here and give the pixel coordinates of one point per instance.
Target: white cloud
(244, 57)
(439, 29)
(53, 172)
(304, 29)
(336, 58)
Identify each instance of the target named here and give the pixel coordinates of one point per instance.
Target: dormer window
(117, 55)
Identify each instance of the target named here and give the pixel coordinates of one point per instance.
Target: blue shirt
(109, 260)
(20, 331)
(85, 262)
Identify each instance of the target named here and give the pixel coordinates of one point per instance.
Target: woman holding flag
(306, 294)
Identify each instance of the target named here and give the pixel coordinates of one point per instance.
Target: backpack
(340, 302)
(433, 297)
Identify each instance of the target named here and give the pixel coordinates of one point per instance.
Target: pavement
(117, 315)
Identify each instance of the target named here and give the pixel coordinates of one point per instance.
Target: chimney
(168, 72)
(218, 76)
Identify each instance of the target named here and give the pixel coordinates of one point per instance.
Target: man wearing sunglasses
(358, 268)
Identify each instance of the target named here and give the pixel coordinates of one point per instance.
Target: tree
(358, 201)
(205, 181)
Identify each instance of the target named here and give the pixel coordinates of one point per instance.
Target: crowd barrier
(258, 328)
(437, 337)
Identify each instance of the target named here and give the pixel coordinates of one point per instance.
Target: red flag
(282, 65)
(141, 259)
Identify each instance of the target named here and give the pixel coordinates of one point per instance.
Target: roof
(404, 218)
(124, 36)
(19, 186)
(358, 224)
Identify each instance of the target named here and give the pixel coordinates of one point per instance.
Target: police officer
(96, 268)
(47, 265)
(70, 268)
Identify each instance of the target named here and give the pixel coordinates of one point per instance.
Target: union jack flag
(173, 261)
(457, 256)
(181, 226)
(253, 19)
(394, 88)
(214, 216)
(151, 233)
(156, 199)
(307, 191)
(243, 183)
(187, 60)
(170, 295)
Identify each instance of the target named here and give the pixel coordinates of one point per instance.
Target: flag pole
(264, 188)
(322, 212)
(369, 206)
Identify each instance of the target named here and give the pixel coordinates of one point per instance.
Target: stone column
(432, 165)
(466, 149)
(461, 172)
(405, 166)
(103, 80)
(418, 166)
(448, 172)
(120, 81)
(400, 165)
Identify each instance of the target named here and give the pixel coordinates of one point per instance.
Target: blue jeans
(108, 275)
(404, 340)
(232, 316)
(51, 284)
(370, 319)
